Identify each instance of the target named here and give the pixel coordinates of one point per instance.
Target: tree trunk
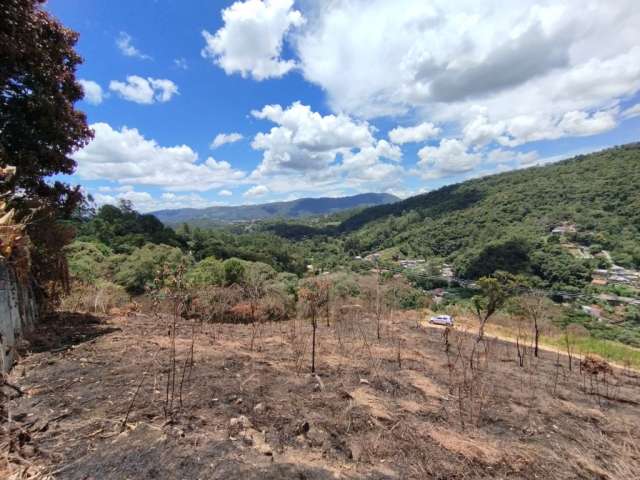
(313, 346)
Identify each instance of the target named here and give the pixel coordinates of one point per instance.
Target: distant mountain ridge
(301, 207)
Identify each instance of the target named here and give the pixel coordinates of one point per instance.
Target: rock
(240, 422)
(364, 381)
(259, 408)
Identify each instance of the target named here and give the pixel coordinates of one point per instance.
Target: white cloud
(181, 63)
(577, 123)
(450, 157)
(223, 138)
(419, 133)
(144, 90)
(305, 140)
(123, 41)
(307, 151)
(514, 73)
(225, 193)
(92, 91)
(145, 202)
(631, 112)
(127, 157)
(256, 191)
(499, 156)
(251, 40)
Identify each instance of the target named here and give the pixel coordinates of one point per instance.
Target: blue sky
(335, 98)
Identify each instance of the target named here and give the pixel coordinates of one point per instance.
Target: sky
(208, 102)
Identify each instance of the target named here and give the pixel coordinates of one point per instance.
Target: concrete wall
(18, 313)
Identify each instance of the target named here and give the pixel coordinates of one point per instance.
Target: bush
(88, 261)
(234, 270)
(209, 271)
(138, 270)
(344, 286)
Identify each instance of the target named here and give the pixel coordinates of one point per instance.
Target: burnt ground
(398, 408)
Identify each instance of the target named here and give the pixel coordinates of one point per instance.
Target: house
(411, 263)
(446, 271)
(564, 229)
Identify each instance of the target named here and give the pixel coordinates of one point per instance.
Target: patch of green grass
(609, 350)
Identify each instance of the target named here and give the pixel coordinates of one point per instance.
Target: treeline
(120, 245)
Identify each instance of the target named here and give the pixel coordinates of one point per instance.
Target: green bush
(88, 261)
(234, 270)
(140, 268)
(209, 271)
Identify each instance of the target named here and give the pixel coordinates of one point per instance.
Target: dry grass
(364, 415)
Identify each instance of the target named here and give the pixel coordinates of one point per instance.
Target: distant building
(446, 271)
(411, 263)
(564, 229)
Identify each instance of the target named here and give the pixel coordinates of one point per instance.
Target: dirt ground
(408, 406)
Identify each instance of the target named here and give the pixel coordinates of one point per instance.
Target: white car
(446, 320)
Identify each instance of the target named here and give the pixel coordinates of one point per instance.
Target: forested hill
(505, 220)
(286, 210)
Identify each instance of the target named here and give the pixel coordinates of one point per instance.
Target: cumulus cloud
(144, 90)
(450, 157)
(225, 193)
(92, 91)
(304, 140)
(416, 134)
(127, 157)
(223, 138)
(509, 73)
(256, 191)
(125, 45)
(251, 40)
(145, 202)
(308, 151)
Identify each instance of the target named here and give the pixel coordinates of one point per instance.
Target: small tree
(314, 296)
(494, 291)
(255, 285)
(534, 306)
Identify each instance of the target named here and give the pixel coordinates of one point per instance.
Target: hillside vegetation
(503, 222)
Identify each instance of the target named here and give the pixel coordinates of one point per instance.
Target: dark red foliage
(39, 125)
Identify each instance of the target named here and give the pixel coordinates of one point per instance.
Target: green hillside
(504, 221)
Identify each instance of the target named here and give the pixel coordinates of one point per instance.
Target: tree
(493, 294)
(534, 306)
(138, 270)
(314, 296)
(40, 128)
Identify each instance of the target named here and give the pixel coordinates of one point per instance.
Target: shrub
(209, 271)
(138, 270)
(234, 270)
(88, 261)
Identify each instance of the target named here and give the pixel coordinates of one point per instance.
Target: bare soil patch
(398, 408)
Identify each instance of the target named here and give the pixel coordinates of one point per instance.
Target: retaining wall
(18, 313)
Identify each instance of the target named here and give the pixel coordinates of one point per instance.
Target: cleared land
(397, 408)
